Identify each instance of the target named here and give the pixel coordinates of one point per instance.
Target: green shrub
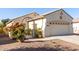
(28, 32)
(18, 33)
(2, 25)
(38, 33)
(1, 31)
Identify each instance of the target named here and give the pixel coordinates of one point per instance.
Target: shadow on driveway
(6, 40)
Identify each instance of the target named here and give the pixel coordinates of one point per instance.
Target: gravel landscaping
(43, 45)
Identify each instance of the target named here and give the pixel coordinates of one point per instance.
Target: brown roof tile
(24, 18)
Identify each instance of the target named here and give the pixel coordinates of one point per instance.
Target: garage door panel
(58, 29)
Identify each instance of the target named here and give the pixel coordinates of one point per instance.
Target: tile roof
(56, 11)
(24, 18)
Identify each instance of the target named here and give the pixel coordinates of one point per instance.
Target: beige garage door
(59, 29)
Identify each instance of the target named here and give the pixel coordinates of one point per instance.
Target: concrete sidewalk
(68, 38)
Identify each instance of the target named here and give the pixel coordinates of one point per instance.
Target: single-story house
(58, 22)
(76, 26)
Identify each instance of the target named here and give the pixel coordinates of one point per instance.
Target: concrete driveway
(68, 38)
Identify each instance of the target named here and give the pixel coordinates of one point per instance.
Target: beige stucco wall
(38, 24)
(56, 16)
(54, 29)
(58, 29)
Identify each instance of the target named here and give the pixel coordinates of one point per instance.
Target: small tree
(4, 21)
(16, 31)
(2, 25)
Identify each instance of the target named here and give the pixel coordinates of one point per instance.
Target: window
(60, 17)
(61, 13)
(50, 22)
(53, 22)
(47, 25)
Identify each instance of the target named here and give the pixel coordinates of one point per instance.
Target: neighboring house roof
(57, 11)
(76, 21)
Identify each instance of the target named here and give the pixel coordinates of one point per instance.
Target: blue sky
(15, 12)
